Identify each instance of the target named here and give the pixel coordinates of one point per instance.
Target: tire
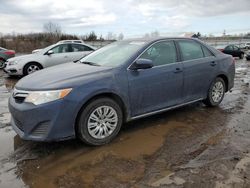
(90, 126)
(241, 56)
(31, 67)
(214, 97)
(2, 63)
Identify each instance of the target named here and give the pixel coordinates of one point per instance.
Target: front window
(63, 48)
(161, 53)
(229, 48)
(114, 54)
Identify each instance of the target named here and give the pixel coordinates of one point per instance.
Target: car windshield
(114, 54)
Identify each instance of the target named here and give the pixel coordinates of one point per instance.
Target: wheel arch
(110, 95)
(225, 79)
(30, 63)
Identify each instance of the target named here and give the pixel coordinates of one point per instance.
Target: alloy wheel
(102, 122)
(217, 91)
(32, 68)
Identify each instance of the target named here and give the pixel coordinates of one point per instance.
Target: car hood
(68, 75)
(21, 57)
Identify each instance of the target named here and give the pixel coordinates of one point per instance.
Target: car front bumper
(52, 121)
(15, 71)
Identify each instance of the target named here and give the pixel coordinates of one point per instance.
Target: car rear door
(237, 51)
(78, 51)
(200, 66)
(160, 86)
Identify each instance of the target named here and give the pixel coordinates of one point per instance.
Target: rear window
(207, 53)
(80, 48)
(190, 50)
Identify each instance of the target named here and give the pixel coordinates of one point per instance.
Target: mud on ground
(193, 146)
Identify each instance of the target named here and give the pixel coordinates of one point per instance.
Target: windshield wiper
(89, 63)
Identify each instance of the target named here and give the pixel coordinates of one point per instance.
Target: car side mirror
(49, 52)
(142, 64)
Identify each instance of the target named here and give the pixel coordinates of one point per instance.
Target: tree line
(52, 33)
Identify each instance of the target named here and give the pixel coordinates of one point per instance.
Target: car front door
(160, 86)
(200, 66)
(60, 55)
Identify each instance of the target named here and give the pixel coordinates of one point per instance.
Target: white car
(72, 41)
(52, 55)
(245, 46)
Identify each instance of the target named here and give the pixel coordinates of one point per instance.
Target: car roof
(71, 41)
(149, 41)
(155, 39)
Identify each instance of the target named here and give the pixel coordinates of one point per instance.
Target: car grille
(41, 129)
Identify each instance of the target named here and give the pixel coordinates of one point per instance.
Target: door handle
(65, 56)
(177, 70)
(213, 63)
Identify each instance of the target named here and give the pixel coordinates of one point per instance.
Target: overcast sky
(131, 17)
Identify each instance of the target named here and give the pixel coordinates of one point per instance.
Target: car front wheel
(99, 122)
(216, 92)
(31, 67)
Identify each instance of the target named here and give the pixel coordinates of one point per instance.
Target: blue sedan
(92, 98)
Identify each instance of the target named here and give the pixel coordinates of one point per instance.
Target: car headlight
(41, 97)
(13, 62)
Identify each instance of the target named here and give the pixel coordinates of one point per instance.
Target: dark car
(233, 50)
(123, 81)
(4, 55)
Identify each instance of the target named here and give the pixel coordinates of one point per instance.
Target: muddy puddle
(171, 149)
(122, 160)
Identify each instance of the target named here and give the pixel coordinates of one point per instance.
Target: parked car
(233, 50)
(120, 82)
(53, 55)
(4, 55)
(35, 51)
(62, 42)
(245, 46)
(248, 55)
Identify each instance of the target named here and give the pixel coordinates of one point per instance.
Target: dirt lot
(194, 146)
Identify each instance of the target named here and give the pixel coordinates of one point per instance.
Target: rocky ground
(193, 146)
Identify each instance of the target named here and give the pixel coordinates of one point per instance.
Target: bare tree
(121, 36)
(155, 34)
(52, 28)
(111, 36)
(91, 36)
